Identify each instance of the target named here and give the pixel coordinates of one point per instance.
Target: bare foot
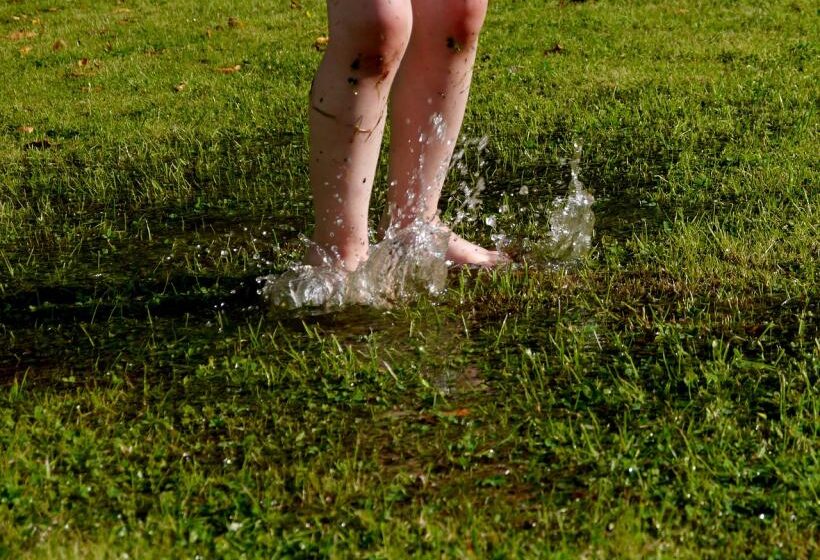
(460, 251)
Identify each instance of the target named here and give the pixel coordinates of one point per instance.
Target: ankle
(346, 257)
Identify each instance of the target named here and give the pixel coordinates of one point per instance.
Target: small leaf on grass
(83, 62)
(59, 45)
(235, 23)
(229, 69)
(25, 129)
(180, 87)
(25, 50)
(320, 44)
(20, 35)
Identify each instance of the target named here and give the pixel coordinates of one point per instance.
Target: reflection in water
(411, 261)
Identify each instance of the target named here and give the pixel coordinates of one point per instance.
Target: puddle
(158, 277)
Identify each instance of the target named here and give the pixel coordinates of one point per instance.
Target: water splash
(407, 263)
(572, 220)
(410, 261)
(471, 184)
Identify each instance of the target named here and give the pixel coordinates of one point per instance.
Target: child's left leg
(434, 79)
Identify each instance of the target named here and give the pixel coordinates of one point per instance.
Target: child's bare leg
(434, 79)
(347, 112)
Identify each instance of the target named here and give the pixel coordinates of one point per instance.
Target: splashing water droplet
(439, 126)
(502, 241)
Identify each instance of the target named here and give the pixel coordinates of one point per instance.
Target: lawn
(656, 398)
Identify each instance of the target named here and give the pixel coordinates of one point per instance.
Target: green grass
(658, 399)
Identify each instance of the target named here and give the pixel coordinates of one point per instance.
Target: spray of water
(405, 264)
(572, 220)
(410, 261)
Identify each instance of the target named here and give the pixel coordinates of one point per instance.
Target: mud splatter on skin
(454, 45)
(371, 65)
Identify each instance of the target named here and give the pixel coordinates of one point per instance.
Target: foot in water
(459, 250)
(462, 252)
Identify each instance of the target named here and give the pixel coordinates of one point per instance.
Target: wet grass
(658, 399)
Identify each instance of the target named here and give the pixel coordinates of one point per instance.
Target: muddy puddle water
(169, 286)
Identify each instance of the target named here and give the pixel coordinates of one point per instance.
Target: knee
(465, 19)
(376, 41)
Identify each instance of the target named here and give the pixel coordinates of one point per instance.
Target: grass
(658, 399)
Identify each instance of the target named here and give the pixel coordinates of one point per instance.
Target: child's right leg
(348, 103)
